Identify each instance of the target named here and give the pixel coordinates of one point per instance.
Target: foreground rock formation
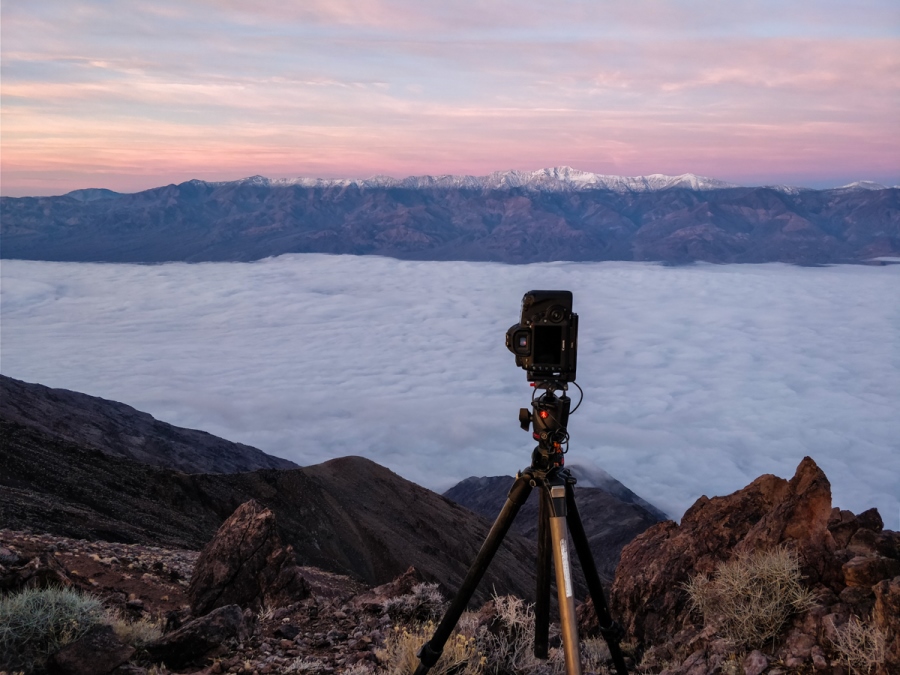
(849, 562)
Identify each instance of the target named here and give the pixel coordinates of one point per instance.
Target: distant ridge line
(555, 179)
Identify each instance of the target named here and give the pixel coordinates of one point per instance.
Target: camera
(545, 341)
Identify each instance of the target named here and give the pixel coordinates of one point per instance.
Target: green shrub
(35, 623)
(751, 597)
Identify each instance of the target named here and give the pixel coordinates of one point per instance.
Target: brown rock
(198, 639)
(755, 662)
(41, 571)
(866, 571)
(245, 564)
(98, 652)
(863, 541)
(647, 595)
(886, 616)
(842, 525)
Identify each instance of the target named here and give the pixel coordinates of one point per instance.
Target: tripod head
(549, 419)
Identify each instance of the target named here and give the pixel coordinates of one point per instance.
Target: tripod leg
(431, 651)
(542, 596)
(568, 623)
(612, 632)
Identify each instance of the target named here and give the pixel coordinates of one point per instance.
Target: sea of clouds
(697, 379)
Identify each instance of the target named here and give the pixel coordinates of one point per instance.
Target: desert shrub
(460, 656)
(425, 603)
(751, 597)
(508, 645)
(305, 664)
(861, 645)
(35, 623)
(135, 633)
(595, 656)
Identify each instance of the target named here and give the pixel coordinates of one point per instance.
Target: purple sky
(130, 95)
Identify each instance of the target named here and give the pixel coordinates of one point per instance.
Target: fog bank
(697, 379)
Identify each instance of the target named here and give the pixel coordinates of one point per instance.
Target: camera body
(545, 341)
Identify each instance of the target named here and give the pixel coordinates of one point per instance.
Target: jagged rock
(866, 571)
(41, 571)
(246, 564)
(647, 595)
(886, 616)
(98, 652)
(199, 638)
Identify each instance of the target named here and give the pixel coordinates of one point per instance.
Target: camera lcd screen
(548, 345)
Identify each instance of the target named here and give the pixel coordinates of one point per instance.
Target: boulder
(41, 571)
(886, 616)
(97, 652)
(246, 564)
(198, 639)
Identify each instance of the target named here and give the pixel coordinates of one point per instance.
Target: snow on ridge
(556, 179)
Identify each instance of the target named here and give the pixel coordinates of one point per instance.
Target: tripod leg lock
(613, 632)
(427, 656)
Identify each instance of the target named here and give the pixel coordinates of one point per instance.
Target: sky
(130, 95)
(697, 379)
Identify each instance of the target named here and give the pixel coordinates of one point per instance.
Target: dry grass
(751, 597)
(135, 633)
(460, 656)
(861, 645)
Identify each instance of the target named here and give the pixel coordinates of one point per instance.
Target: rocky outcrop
(847, 561)
(246, 564)
(647, 593)
(198, 639)
(98, 652)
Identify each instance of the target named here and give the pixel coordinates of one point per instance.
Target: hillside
(118, 430)
(550, 216)
(609, 522)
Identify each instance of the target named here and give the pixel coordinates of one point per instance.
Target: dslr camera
(545, 341)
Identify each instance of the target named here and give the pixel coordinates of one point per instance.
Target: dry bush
(35, 623)
(751, 597)
(460, 656)
(425, 603)
(135, 633)
(860, 644)
(508, 646)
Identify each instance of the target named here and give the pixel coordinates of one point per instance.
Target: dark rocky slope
(249, 220)
(349, 516)
(609, 522)
(118, 430)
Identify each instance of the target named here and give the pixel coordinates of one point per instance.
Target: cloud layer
(697, 379)
(132, 95)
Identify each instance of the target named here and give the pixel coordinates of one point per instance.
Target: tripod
(557, 514)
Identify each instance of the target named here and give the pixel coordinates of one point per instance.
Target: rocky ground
(243, 605)
(337, 626)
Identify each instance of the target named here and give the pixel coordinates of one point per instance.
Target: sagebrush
(35, 623)
(751, 597)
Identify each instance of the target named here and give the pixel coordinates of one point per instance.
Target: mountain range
(511, 217)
